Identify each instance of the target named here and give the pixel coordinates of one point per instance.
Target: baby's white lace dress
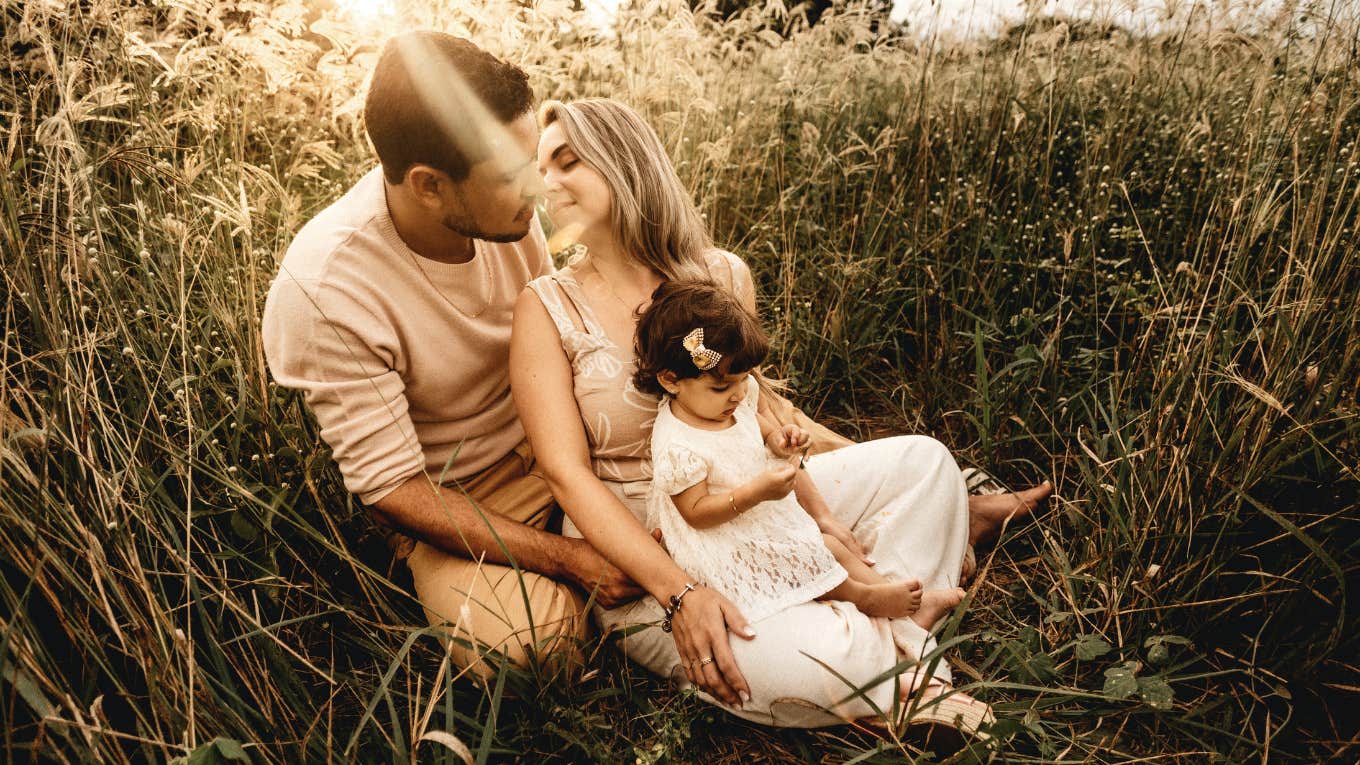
(768, 558)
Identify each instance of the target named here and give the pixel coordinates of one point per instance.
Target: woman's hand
(700, 629)
(788, 440)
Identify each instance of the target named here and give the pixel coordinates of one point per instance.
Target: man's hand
(587, 569)
(788, 441)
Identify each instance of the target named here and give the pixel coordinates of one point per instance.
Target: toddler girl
(723, 475)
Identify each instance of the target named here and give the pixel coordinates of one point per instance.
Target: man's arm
(325, 342)
(444, 517)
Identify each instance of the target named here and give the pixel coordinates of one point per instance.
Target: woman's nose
(535, 185)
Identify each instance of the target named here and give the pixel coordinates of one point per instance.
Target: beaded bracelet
(675, 606)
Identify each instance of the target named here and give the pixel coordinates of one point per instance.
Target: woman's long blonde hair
(652, 214)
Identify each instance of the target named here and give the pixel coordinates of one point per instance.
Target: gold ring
(706, 660)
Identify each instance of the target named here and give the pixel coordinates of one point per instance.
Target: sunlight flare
(367, 10)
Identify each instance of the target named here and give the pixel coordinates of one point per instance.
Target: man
(392, 312)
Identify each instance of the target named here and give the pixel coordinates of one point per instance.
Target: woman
(901, 501)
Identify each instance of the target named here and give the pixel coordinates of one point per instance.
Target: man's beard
(465, 226)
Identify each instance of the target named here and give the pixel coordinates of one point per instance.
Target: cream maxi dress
(903, 497)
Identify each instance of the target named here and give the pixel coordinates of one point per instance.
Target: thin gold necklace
(486, 282)
(633, 311)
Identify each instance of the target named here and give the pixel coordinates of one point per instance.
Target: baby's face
(709, 398)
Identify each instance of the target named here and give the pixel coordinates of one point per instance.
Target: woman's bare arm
(541, 383)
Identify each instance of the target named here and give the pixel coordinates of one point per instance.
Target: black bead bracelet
(674, 607)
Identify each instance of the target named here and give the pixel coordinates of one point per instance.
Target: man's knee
(548, 628)
(492, 614)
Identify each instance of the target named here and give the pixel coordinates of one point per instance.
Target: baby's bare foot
(935, 604)
(891, 599)
(987, 512)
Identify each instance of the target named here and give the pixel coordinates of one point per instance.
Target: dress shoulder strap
(727, 269)
(551, 292)
(576, 297)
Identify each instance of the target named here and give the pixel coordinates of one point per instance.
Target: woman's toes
(1031, 497)
(969, 565)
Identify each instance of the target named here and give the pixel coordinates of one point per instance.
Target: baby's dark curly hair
(678, 306)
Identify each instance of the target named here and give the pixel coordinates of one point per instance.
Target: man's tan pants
(489, 608)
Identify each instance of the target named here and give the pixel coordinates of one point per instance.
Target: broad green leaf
(1155, 692)
(1040, 667)
(1158, 647)
(1090, 647)
(1121, 682)
(219, 751)
(1158, 654)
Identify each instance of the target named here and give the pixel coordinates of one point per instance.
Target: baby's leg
(855, 565)
(869, 590)
(926, 607)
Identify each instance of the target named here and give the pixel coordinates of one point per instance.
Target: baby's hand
(775, 483)
(788, 441)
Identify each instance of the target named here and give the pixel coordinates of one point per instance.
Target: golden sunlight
(367, 10)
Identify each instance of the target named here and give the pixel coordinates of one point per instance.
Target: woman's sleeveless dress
(903, 497)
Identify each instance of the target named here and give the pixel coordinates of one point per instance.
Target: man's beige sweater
(403, 359)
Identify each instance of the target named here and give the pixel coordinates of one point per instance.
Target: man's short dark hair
(407, 129)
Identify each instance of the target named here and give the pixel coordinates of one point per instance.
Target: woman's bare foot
(988, 512)
(889, 599)
(935, 604)
(969, 568)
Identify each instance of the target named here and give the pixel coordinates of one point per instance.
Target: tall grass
(1126, 264)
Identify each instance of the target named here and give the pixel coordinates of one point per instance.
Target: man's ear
(424, 182)
(668, 381)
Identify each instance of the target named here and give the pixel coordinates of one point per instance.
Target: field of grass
(1128, 265)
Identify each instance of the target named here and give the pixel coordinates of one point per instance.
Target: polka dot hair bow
(704, 358)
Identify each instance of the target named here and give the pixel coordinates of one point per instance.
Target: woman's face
(577, 195)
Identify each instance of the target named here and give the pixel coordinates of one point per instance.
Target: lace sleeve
(677, 468)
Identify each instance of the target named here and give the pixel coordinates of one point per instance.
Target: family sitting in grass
(468, 389)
